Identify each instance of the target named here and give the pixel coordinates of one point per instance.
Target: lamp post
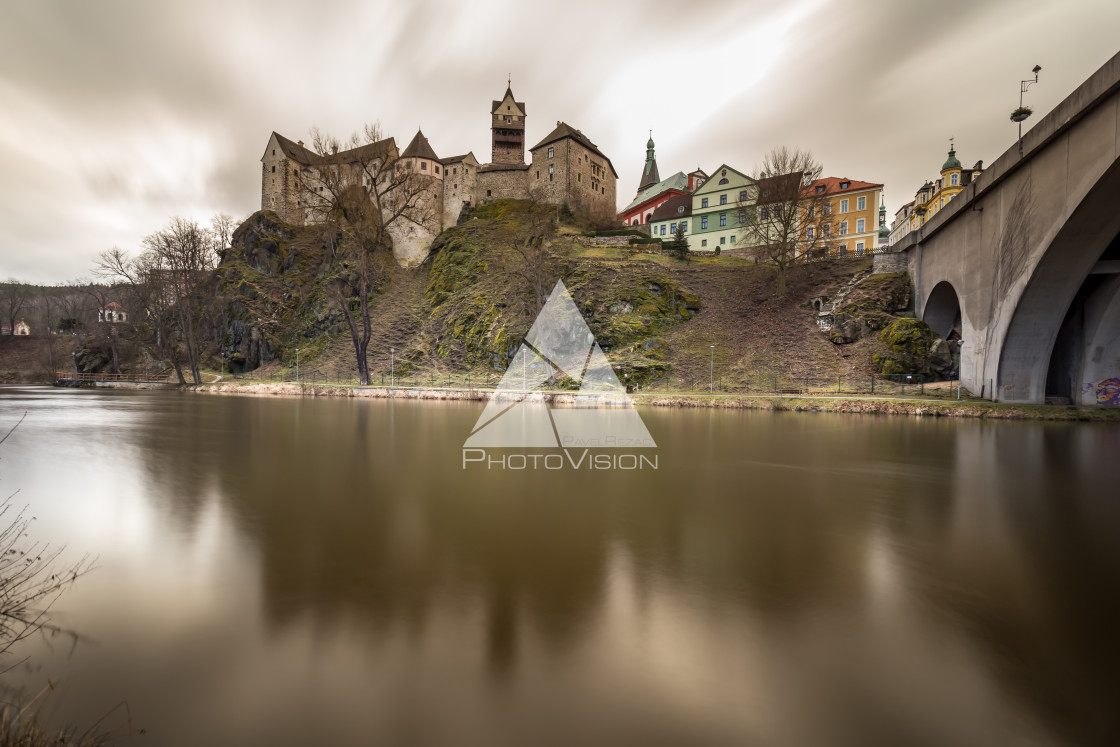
(392, 366)
(712, 369)
(960, 362)
(297, 365)
(223, 365)
(1020, 114)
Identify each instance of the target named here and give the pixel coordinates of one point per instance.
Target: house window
(733, 238)
(809, 233)
(550, 152)
(672, 228)
(743, 196)
(742, 216)
(812, 211)
(487, 193)
(828, 208)
(861, 203)
(859, 248)
(843, 228)
(723, 219)
(954, 179)
(723, 239)
(551, 168)
(437, 169)
(703, 242)
(723, 199)
(860, 224)
(273, 169)
(579, 177)
(704, 222)
(843, 206)
(274, 151)
(684, 226)
(820, 188)
(845, 185)
(704, 202)
(724, 181)
(662, 229)
(454, 171)
(765, 213)
(455, 187)
(843, 250)
(680, 209)
(538, 173)
(423, 165)
(826, 230)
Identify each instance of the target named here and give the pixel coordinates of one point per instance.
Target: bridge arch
(1069, 306)
(942, 311)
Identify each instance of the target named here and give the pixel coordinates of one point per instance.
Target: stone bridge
(1024, 265)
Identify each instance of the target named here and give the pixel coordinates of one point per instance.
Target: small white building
(113, 313)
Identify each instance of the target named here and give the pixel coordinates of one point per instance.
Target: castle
(565, 167)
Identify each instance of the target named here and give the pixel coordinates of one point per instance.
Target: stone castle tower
(507, 128)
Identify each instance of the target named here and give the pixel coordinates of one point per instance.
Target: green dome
(952, 163)
(650, 143)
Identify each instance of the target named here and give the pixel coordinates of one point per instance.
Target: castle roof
(671, 208)
(509, 93)
(419, 148)
(565, 131)
(676, 181)
(458, 159)
(294, 151)
(300, 154)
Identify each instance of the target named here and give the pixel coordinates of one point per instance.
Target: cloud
(118, 115)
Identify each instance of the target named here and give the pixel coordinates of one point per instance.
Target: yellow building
(853, 227)
(932, 197)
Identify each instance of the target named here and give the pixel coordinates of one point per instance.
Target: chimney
(300, 143)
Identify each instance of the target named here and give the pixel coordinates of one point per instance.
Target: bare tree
(784, 216)
(363, 194)
(13, 296)
(222, 227)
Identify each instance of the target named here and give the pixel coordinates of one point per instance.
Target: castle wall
(460, 185)
(499, 185)
(574, 175)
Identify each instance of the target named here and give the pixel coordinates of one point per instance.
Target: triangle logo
(559, 343)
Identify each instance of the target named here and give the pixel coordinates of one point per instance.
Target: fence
(106, 377)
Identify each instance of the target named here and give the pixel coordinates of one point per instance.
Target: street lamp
(712, 369)
(223, 365)
(960, 362)
(297, 365)
(1020, 114)
(392, 366)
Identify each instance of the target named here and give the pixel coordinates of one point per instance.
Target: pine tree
(679, 245)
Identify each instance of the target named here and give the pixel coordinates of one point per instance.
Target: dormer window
(820, 188)
(680, 209)
(845, 185)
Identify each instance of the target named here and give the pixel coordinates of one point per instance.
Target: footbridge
(1024, 265)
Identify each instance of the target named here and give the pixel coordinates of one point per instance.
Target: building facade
(718, 210)
(852, 209)
(934, 195)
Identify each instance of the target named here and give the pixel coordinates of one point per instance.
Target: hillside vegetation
(467, 307)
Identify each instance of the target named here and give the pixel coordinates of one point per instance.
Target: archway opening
(943, 311)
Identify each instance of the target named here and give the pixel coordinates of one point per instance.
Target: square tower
(507, 127)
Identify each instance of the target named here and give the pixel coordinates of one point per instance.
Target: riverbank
(917, 406)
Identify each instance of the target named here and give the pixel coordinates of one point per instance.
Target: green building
(718, 210)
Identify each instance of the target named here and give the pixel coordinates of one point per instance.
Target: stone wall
(501, 184)
(888, 262)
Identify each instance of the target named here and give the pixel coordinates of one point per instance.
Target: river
(318, 571)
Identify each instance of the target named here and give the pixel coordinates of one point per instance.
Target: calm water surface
(296, 572)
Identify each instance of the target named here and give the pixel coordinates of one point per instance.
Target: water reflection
(784, 579)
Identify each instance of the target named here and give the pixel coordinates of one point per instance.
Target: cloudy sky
(117, 115)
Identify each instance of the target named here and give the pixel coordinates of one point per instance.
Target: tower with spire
(507, 128)
(649, 172)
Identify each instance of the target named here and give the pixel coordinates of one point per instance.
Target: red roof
(832, 185)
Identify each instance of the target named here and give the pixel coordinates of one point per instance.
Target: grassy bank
(915, 406)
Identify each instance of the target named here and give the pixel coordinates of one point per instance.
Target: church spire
(649, 173)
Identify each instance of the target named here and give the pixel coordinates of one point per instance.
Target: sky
(116, 116)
